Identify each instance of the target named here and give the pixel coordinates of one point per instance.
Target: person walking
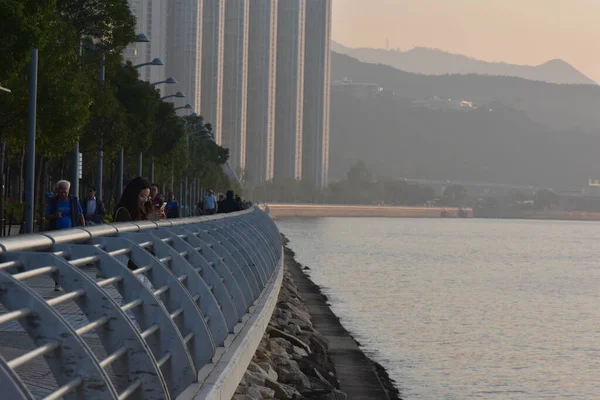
(93, 208)
(63, 212)
(210, 203)
(172, 208)
(229, 205)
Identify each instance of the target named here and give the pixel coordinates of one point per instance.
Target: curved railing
(148, 310)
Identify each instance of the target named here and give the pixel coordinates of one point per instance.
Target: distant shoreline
(327, 210)
(332, 210)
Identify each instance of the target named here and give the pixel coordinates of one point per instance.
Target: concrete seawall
(324, 210)
(307, 354)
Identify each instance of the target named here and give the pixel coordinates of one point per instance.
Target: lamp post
(29, 182)
(155, 62)
(169, 81)
(186, 107)
(179, 95)
(140, 38)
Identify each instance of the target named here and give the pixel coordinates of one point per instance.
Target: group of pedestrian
(224, 205)
(140, 201)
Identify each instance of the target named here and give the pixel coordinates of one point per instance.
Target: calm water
(465, 309)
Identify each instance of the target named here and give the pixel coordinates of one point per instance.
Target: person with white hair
(64, 211)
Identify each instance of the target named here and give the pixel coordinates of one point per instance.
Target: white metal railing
(146, 306)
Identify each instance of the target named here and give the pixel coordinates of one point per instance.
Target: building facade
(262, 59)
(317, 90)
(151, 19)
(235, 82)
(184, 49)
(291, 16)
(211, 94)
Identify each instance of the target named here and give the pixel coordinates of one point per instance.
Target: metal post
(193, 197)
(100, 152)
(187, 200)
(120, 172)
(30, 177)
(180, 198)
(151, 169)
(140, 164)
(75, 178)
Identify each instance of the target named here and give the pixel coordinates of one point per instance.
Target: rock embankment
(292, 360)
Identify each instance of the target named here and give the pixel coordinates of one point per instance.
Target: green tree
(454, 195)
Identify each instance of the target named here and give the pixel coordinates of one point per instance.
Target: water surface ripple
(465, 309)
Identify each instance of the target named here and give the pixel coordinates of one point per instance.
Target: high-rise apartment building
(317, 89)
(184, 50)
(211, 90)
(291, 15)
(151, 19)
(235, 82)
(262, 58)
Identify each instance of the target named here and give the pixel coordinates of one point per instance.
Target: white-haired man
(64, 211)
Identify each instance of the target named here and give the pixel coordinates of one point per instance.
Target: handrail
(166, 300)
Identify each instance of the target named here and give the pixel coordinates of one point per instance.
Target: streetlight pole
(140, 164)
(120, 172)
(152, 169)
(102, 77)
(75, 178)
(29, 183)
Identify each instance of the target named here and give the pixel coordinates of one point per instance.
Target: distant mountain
(426, 61)
(556, 106)
(522, 131)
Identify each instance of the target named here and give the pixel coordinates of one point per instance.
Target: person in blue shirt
(210, 203)
(64, 211)
(172, 208)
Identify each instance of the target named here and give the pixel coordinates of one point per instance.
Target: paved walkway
(356, 373)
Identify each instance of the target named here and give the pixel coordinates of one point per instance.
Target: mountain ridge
(430, 61)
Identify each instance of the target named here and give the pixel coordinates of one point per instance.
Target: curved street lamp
(156, 62)
(142, 38)
(169, 81)
(186, 107)
(179, 95)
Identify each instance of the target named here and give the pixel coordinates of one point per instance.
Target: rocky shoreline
(293, 359)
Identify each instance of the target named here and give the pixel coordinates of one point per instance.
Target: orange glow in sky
(528, 32)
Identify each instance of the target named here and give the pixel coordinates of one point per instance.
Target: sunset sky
(527, 32)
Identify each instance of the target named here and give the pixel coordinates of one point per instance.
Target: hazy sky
(516, 31)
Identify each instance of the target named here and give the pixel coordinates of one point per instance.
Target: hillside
(437, 62)
(397, 140)
(560, 107)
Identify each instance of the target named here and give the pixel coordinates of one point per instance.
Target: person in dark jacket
(136, 203)
(229, 205)
(63, 212)
(93, 208)
(172, 208)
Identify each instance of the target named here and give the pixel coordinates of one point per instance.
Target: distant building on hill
(358, 90)
(442, 104)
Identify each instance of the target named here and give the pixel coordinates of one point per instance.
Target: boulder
(282, 391)
(268, 368)
(274, 332)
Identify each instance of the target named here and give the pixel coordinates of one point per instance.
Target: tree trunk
(21, 184)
